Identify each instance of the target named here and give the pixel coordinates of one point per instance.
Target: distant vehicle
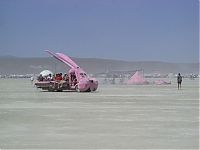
(75, 80)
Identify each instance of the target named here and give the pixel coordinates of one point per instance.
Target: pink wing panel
(59, 58)
(67, 59)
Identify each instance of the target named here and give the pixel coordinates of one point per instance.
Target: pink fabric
(137, 78)
(161, 82)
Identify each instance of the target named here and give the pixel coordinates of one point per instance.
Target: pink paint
(67, 59)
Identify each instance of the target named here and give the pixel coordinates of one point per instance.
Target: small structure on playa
(162, 82)
(137, 79)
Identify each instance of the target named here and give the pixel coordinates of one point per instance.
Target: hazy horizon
(128, 30)
(98, 58)
(112, 59)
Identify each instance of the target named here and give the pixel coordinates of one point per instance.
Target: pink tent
(137, 79)
(161, 82)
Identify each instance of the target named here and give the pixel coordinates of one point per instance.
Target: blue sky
(160, 30)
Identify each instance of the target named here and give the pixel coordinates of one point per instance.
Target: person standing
(32, 79)
(179, 80)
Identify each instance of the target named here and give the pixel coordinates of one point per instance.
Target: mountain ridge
(34, 65)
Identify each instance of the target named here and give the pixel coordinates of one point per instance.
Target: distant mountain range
(15, 65)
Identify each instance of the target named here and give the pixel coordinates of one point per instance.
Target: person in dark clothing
(40, 78)
(179, 80)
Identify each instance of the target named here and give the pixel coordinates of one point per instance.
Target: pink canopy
(162, 82)
(137, 78)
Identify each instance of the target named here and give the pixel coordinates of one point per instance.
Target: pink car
(76, 80)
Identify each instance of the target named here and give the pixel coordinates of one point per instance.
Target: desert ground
(113, 117)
